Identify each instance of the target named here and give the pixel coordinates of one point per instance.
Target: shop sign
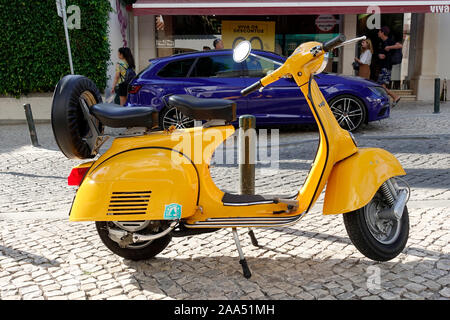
(326, 22)
(440, 9)
(261, 34)
(165, 43)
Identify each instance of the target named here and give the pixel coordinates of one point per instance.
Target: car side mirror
(242, 51)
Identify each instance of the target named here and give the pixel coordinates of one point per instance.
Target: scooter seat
(115, 116)
(204, 109)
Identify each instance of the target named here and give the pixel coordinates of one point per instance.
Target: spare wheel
(70, 127)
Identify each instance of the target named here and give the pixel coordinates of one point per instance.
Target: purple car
(214, 74)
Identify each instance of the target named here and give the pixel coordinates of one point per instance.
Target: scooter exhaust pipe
(396, 211)
(124, 238)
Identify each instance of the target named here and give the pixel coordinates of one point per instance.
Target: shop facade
(162, 28)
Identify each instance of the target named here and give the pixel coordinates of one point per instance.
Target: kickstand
(242, 261)
(252, 237)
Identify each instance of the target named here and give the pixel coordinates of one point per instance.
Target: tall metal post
(437, 95)
(62, 12)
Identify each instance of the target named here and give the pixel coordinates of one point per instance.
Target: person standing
(123, 66)
(365, 59)
(218, 44)
(384, 54)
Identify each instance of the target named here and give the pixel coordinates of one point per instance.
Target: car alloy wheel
(173, 117)
(349, 112)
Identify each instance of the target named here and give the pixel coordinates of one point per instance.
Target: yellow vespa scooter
(151, 185)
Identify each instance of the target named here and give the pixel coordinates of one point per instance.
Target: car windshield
(258, 67)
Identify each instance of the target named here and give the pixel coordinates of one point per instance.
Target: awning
(284, 7)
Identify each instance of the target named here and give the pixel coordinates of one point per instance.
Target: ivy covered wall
(33, 52)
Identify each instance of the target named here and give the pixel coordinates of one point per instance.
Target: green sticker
(172, 211)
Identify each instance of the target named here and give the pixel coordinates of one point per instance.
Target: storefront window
(281, 34)
(399, 25)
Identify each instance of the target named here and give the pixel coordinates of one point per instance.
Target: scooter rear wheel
(136, 252)
(378, 239)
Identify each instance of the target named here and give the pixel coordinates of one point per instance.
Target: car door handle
(195, 90)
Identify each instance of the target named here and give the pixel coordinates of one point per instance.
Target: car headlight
(379, 91)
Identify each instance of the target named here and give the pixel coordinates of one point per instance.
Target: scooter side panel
(354, 181)
(149, 183)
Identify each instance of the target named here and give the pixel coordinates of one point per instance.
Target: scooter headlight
(324, 63)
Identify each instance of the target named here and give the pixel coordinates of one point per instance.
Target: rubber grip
(329, 45)
(252, 88)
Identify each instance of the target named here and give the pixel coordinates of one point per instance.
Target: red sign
(325, 22)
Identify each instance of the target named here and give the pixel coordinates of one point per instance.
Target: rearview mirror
(242, 51)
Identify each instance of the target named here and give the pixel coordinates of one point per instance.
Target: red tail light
(77, 175)
(134, 89)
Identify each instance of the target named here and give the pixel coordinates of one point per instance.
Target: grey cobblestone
(51, 258)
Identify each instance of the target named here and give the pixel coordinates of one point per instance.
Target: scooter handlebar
(331, 44)
(281, 71)
(252, 88)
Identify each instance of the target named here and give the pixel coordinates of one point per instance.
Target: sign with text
(261, 34)
(326, 22)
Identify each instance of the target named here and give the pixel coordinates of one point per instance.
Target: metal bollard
(437, 95)
(247, 162)
(31, 127)
(247, 154)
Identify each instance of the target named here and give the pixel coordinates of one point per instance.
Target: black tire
(140, 253)
(345, 119)
(164, 124)
(357, 228)
(68, 122)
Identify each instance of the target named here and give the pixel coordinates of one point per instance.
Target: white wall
(12, 111)
(146, 40)
(348, 52)
(115, 42)
(443, 47)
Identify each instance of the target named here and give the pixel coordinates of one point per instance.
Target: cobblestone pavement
(43, 256)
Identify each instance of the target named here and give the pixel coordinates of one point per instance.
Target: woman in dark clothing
(120, 86)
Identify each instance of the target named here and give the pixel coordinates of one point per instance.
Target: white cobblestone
(55, 259)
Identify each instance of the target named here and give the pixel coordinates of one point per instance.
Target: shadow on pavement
(27, 175)
(28, 257)
(273, 278)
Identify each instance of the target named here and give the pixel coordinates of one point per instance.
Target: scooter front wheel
(133, 251)
(377, 238)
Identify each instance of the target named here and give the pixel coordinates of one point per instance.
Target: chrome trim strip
(246, 222)
(251, 218)
(247, 203)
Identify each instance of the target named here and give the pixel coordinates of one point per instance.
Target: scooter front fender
(354, 181)
(148, 183)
